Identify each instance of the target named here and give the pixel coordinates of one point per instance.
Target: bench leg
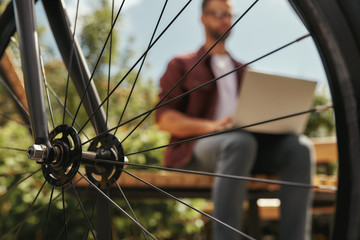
(254, 226)
(103, 218)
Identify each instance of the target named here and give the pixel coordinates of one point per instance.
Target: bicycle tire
(339, 48)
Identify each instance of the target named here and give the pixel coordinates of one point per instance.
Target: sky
(267, 26)
(250, 39)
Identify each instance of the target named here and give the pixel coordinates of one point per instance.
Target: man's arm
(183, 126)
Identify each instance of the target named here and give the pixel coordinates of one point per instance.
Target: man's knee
(300, 155)
(239, 150)
(303, 147)
(239, 142)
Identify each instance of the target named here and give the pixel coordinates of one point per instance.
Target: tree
(321, 124)
(164, 218)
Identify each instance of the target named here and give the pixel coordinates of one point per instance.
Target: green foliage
(3, 4)
(321, 124)
(56, 75)
(12, 163)
(165, 219)
(96, 31)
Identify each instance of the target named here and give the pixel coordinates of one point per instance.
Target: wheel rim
(338, 61)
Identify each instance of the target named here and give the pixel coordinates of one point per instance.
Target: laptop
(263, 97)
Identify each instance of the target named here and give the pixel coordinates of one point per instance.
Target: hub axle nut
(37, 152)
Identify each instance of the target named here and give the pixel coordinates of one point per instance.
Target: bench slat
(326, 151)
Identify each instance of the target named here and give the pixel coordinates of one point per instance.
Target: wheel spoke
(214, 80)
(118, 207)
(141, 65)
(184, 203)
(48, 212)
(316, 109)
(92, 216)
(14, 149)
(14, 120)
(22, 222)
(35, 211)
(193, 67)
(109, 68)
(15, 98)
(14, 174)
(83, 210)
(18, 183)
(64, 212)
(47, 90)
(160, 104)
(66, 109)
(128, 204)
(232, 129)
(70, 60)
(96, 65)
(136, 63)
(69, 216)
(234, 177)
(29, 210)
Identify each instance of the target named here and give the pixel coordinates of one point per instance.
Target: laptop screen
(264, 97)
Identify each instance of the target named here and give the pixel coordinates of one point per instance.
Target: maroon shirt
(199, 104)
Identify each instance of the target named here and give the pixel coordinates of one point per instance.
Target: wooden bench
(197, 186)
(192, 185)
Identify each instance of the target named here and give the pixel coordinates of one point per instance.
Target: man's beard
(217, 35)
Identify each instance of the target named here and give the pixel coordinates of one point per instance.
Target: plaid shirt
(199, 104)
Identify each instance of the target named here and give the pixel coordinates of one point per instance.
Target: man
(208, 110)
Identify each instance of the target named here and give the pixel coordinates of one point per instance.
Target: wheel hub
(65, 164)
(61, 162)
(107, 147)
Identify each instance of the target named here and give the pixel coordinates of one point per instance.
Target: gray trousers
(242, 153)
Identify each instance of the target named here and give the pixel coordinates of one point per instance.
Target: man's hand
(183, 126)
(222, 124)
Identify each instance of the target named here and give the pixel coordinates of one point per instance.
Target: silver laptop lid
(263, 97)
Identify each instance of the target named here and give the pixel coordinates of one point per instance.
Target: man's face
(217, 18)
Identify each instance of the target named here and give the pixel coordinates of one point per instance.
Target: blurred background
(253, 37)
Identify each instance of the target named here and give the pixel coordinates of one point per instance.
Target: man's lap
(269, 150)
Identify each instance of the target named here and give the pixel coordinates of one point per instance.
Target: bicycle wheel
(338, 42)
(346, 194)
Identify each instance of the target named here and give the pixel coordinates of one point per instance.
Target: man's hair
(205, 3)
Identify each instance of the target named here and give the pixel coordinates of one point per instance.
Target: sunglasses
(219, 14)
